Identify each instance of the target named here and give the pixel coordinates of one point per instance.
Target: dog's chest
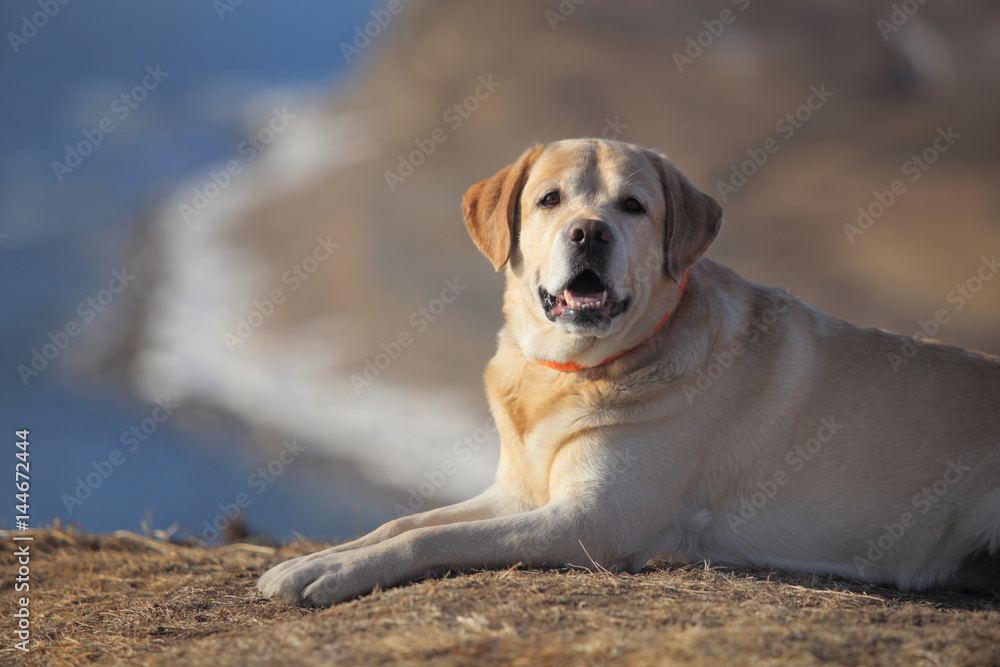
(544, 420)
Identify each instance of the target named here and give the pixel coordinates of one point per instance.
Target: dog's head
(596, 235)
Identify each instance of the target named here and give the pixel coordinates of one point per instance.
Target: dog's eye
(550, 199)
(632, 205)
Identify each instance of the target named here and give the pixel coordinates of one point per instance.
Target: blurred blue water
(60, 241)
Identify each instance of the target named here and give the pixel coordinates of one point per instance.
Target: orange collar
(573, 366)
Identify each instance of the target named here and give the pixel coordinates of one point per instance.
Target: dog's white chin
(562, 341)
(601, 328)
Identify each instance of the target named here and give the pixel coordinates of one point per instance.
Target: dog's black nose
(589, 233)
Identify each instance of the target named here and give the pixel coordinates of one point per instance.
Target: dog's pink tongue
(584, 297)
(584, 300)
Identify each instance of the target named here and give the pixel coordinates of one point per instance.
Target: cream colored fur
(751, 428)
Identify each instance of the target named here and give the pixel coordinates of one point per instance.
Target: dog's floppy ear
(490, 208)
(693, 218)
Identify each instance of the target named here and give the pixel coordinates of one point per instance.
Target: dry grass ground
(123, 598)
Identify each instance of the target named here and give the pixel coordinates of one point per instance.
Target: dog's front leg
(490, 504)
(551, 535)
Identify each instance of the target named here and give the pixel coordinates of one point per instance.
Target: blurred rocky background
(308, 277)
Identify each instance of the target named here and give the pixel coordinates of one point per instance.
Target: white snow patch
(397, 435)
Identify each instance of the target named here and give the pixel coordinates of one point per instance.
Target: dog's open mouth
(585, 295)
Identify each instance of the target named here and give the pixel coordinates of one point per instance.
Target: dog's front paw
(315, 581)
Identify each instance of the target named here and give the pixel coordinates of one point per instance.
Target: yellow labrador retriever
(651, 403)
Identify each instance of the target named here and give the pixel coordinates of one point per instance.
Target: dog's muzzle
(585, 299)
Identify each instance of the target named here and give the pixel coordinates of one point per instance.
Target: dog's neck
(570, 366)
